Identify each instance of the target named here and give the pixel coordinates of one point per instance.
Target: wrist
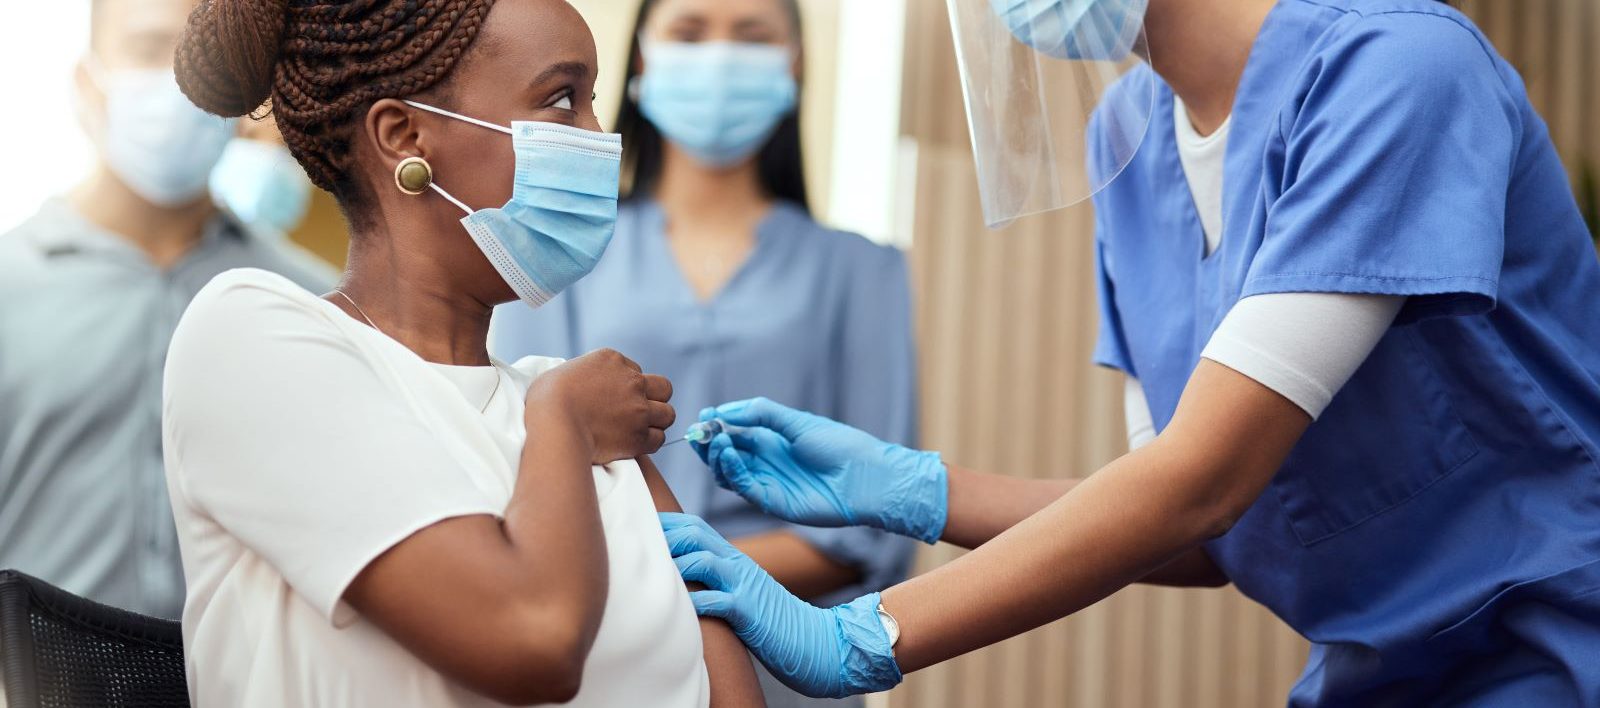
(918, 500)
(548, 421)
(868, 664)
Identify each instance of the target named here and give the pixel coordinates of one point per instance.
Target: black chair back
(58, 650)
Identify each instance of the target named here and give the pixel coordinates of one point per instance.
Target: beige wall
(1007, 321)
(1556, 46)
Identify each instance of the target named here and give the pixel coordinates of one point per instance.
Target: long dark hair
(780, 164)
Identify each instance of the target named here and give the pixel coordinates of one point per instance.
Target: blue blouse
(815, 319)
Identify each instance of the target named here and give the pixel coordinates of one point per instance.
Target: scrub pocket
(1353, 464)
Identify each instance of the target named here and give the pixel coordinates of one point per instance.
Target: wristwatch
(890, 625)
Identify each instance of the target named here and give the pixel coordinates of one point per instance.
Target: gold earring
(413, 175)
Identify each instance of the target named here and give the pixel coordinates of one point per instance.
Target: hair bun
(228, 55)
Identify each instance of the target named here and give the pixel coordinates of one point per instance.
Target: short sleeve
(1111, 344)
(285, 436)
(1393, 172)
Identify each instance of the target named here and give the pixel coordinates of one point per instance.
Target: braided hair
(322, 63)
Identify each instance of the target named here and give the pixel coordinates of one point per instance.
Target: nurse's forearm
(796, 564)
(1143, 511)
(983, 506)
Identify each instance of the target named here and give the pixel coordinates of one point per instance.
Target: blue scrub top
(1436, 533)
(815, 319)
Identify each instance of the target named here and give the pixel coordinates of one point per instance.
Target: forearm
(474, 597)
(983, 506)
(796, 564)
(1124, 523)
(553, 521)
(1108, 533)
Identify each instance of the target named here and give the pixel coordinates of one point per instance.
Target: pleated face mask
(719, 101)
(563, 208)
(156, 141)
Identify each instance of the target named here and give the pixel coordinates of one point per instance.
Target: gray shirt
(85, 319)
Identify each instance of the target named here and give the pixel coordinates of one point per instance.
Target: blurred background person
(91, 287)
(720, 279)
(260, 182)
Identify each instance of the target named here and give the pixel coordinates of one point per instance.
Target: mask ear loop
(458, 116)
(434, 185)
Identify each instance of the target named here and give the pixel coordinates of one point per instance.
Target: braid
(321, 62)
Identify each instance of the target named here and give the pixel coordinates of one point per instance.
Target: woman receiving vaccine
(719, 279)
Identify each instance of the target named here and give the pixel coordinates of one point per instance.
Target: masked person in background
(259, 181)
(91, 288)
(720, 279)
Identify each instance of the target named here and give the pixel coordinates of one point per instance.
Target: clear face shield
(1036, 75)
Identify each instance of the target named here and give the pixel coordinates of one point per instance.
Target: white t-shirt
(1203, 158)
(301, 444)
(1304, 346)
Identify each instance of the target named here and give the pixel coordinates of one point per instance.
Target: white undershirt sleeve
(1136, 410)
(1304, 346)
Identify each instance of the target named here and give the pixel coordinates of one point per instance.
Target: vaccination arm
(810, 470)
(1144, 511)
(1227, 439)
(474, 596)
(983, 506)
(1257, 336)
(733, 679)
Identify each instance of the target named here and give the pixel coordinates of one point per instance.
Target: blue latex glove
(810, 470)
(832, 653)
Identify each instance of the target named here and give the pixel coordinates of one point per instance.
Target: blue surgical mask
(1094, 30)
(718, 101)
(263, 185)
(563, 208)
(155, 140)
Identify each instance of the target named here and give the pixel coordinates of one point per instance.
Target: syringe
(701, 432)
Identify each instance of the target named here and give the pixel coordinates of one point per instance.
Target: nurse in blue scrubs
(1364, 335)
(719, 278)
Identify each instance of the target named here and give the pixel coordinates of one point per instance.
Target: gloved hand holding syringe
(807, 469)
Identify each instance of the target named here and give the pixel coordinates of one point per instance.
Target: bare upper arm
(660, 493)
(1229, 436)
(733, 678)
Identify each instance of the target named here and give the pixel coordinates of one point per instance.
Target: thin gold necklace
(374, 326)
